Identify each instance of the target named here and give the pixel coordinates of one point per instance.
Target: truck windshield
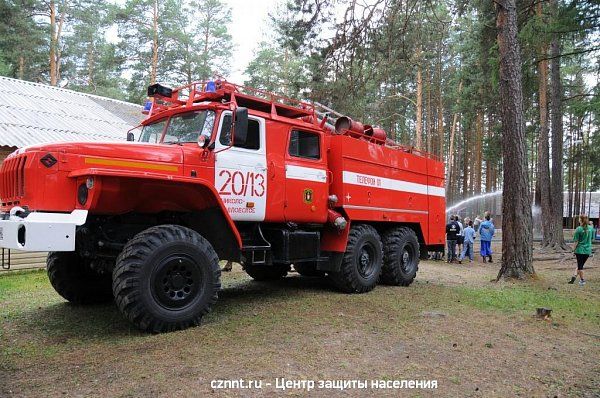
(187, 127)
(152, 132)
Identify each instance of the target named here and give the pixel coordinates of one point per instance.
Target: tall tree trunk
(543, 161)
(440, 116)
(429, 136)
(517, 249)
(90, 68)
(21, 72)
(450, 183)
(419, 126)
(556, 115)
(154, 64)
(488, 161)
(53, 43)
(466, 161)
(570, 171)
(478, 153)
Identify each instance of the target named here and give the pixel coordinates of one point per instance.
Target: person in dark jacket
(452, 230)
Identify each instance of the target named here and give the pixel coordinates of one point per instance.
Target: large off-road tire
(72, 278)
(166, 278)
(361, 265)
(400, 257)
(308, 269)
(266, 272)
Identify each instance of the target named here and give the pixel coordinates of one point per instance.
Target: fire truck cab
(222, 172)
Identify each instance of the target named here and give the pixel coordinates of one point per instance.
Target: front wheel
(166, 278)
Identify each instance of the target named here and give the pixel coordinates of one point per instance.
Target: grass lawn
(475, 337)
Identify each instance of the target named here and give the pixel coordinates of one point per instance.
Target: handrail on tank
(315, 113)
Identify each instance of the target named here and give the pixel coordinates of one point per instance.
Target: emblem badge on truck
(308, 196)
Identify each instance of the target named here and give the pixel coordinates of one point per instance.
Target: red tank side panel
(437, 202)
(377, 183)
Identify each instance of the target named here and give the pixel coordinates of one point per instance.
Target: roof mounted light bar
(158, 89)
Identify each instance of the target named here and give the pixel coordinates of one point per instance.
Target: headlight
(89, 183)
(82, 194)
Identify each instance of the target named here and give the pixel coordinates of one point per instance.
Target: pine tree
(517, 236)
(23, 46)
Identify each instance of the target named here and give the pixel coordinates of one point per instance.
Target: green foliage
(190, 37)
(22, 40)
(277, 70)
(190, 41)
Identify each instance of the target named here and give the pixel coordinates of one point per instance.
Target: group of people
(460, 234)
(460, 239)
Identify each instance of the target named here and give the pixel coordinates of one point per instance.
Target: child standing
(582, 248)
(486, 233)
(469, 240)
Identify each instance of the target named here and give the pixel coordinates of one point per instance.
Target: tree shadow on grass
(63, 322)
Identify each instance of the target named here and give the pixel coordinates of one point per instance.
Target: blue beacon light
(210, 87)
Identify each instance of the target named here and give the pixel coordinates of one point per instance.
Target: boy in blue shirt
(469, 235)
(486, 233)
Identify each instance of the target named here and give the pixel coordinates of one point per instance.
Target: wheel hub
(177, 281)
(406, 258)
(366, 261)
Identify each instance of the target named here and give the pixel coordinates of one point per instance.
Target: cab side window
(304, 144)
(253, 141)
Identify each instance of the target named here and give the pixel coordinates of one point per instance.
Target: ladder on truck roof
(222, 90)
(252, 98)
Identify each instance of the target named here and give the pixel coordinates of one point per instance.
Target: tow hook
(18, 211)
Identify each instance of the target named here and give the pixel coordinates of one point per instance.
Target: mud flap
(334, 263)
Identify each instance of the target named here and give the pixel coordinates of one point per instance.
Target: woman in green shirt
(582, 247)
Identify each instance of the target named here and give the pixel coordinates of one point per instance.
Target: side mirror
(130, 136)
(240, 124)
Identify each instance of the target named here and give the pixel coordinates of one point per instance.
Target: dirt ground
(475, 337)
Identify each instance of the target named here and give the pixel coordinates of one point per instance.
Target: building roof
(34, 113)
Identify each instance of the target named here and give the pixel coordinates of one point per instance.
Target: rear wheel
(73, 278)
(266, 272)
(401, 257)
(361, 265)
(166, 278)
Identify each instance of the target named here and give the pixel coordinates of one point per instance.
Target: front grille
(12, 180)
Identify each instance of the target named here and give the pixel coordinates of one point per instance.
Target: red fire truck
(221, 172)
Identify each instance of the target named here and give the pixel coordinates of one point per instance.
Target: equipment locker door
(306, 187)
(241, 172)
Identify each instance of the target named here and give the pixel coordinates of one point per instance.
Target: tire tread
(126, 276)
(393, 239)
(345, 279)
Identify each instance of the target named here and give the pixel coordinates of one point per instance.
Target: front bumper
(38, 231)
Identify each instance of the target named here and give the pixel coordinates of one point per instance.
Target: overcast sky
(248, 27)
(249, 24)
